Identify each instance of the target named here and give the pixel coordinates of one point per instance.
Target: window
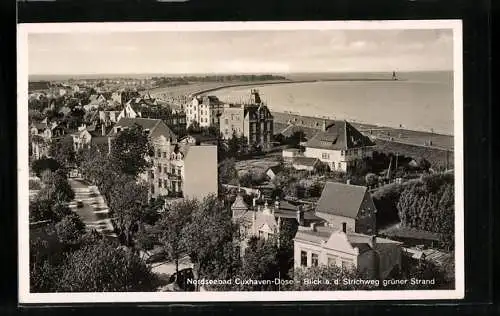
(226, 121)
(347, 264)
(325, 156)
(160, 182)
(314, 259)
(164, 154)
(303, 258)
(179, 171)
(342, 152)
(165, 169)
(152, 189)
(158, 153)
(159, 168)
(332, 261)
(339, 166)
(151, 174)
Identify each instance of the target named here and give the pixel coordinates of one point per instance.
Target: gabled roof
(341, 199)
(339, 135)
(156, 127)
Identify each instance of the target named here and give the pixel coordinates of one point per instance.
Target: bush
(70, 229)
(34, 185)
(371, 179)
(39, 165)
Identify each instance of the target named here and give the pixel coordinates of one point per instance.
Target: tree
(227, 172)
(39, 165)
(129, 150)
(63, 151)
(170, 228)
(260, 262)
(423, 164)
(70, 229)
(128, 204)
(371, 179)
(208, 231)
(57, 189)
(429, 205)
(103, 267)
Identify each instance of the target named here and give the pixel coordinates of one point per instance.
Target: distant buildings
(253, 121)
(204, 110)
(87, 136)
(41, 135)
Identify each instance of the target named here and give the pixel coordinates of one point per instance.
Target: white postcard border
(25, 297)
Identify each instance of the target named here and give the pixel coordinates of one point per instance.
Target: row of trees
(426, 204)
(64, 257)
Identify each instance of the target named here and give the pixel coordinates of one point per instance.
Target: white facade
(336, 251)
(338, 160)
(128, 112)
(206, 114)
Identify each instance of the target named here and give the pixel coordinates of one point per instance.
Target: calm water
(419, 101)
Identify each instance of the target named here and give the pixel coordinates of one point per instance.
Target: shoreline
(290, 81)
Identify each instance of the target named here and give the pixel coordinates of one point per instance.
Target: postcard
(221, 161)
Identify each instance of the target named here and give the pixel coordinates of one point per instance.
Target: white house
(204, 110)
(340, 146)
(373, 256)
(130, 110)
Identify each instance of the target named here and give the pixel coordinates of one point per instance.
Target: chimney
(313, 227)
(344, 227)
(300, 216)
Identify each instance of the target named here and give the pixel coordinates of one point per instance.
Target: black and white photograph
(203, 161)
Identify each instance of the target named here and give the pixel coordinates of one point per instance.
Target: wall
(323, 254)
(200, 172)
(336, 221)
(332, 161)
(161, 162)
(232, 120)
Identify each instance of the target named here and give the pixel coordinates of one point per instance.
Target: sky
(273, 51)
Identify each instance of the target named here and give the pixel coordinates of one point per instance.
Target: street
(95, 212)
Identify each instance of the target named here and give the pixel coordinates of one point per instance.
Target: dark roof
(339, 135)
(305, 161)
(341, 199)
(289, 129)
(274, 169)
(410, 233)
(155, 126)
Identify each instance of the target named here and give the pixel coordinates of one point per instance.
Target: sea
(421, 101)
